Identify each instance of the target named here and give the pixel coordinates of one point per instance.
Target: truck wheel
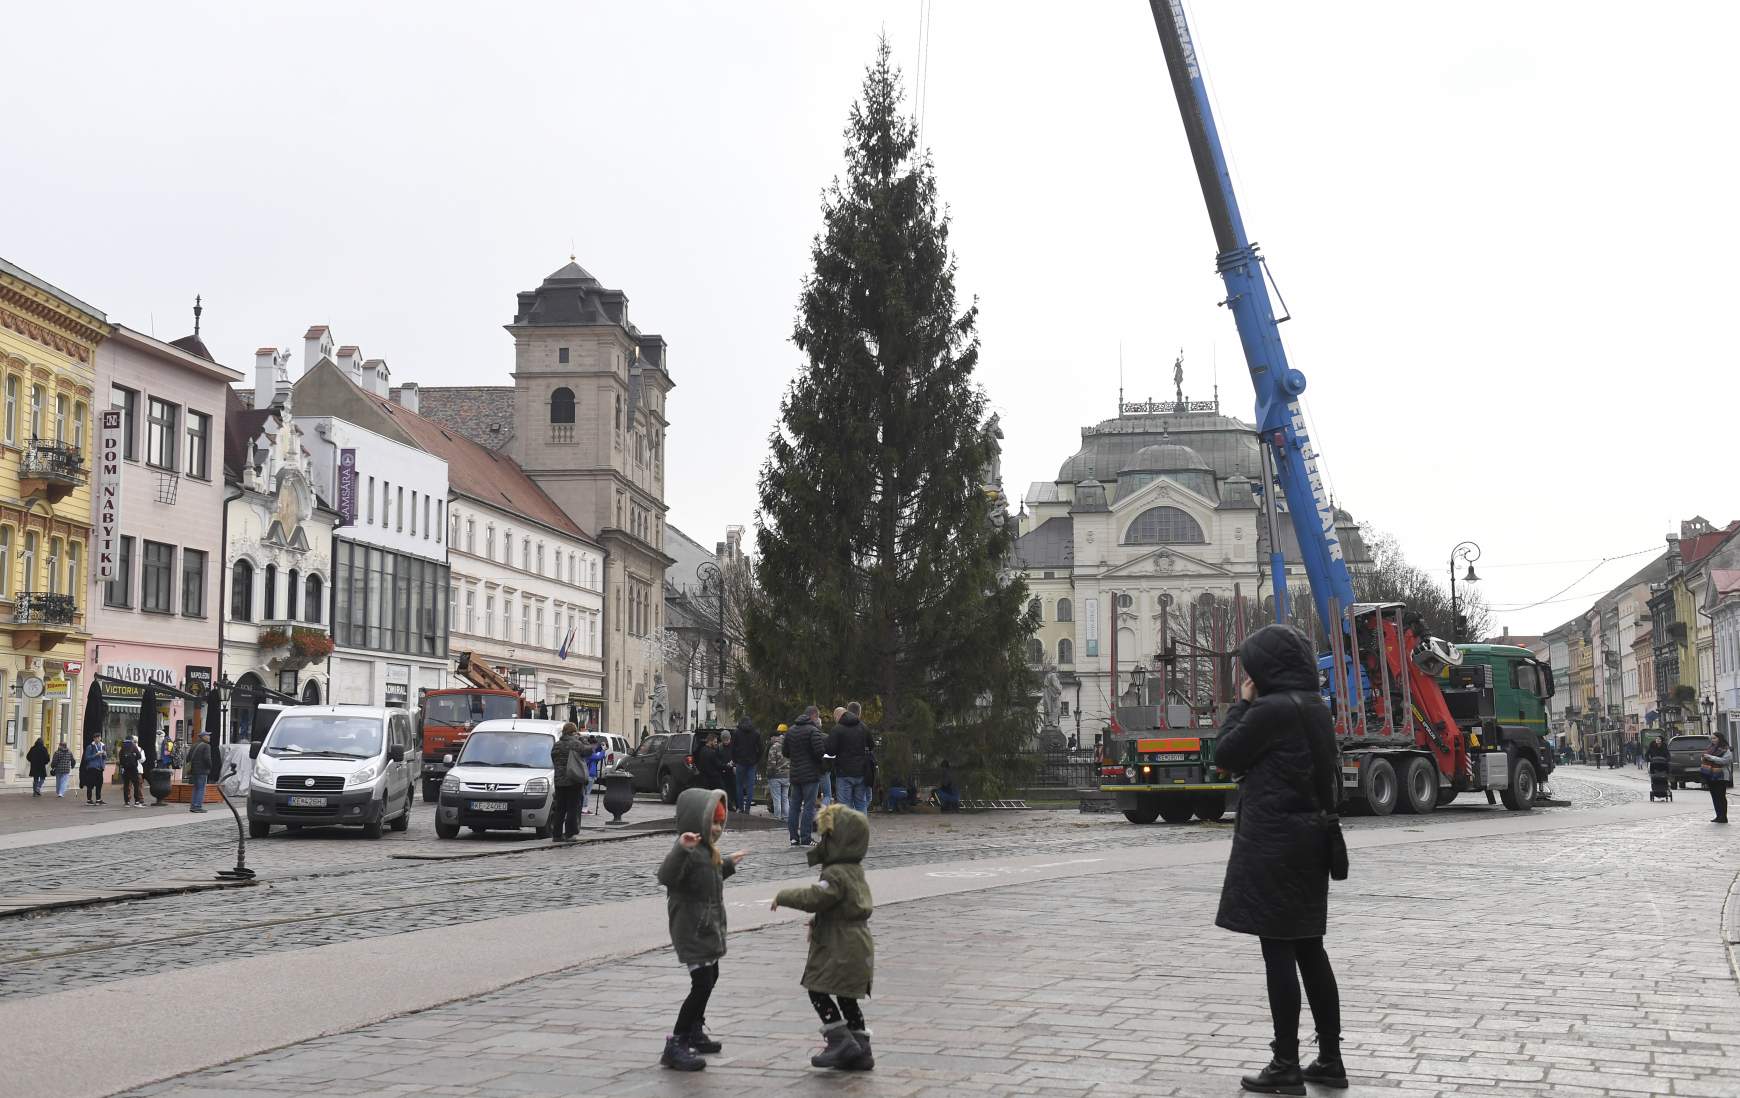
(446, 831)
(1445, 796)
(1419, 787)
(431, 791)
(258, 829)
(1210, 807)
(1377, 784)
(1147, 810)
(1520, 797)
(667, 788)
(1175, 810)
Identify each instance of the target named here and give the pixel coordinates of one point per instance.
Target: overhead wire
(1556, 594)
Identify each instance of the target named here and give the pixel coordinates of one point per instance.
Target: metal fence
(1066, 770)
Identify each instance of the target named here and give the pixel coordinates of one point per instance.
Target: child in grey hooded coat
(693, 874)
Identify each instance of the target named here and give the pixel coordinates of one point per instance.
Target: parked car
(1685, 758)
(616, 749)
(663, 764)
(501, 781)
(351, 765)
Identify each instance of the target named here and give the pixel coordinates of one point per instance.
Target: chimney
(271, 377)
(406, 396)
(350, 361)
(316, 345)
(376, 378)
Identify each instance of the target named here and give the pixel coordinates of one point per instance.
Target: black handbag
(1334, 842)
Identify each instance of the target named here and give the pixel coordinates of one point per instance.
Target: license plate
(307, 802)
(1173, 758)
(489, 806)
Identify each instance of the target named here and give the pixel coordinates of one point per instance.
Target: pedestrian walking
(849, 744)
(694, 874)
(199, 770)
(842, 958)
(130, 758)
(745, 760)
(1278, 739)
(38, 758)
(91, 767)
(61, 766)
(778, 775)
(568, 760)
(804, 744)
(1718, 771)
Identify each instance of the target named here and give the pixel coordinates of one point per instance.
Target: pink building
(158, 618)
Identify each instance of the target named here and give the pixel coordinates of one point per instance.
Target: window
(313, 600)
(29, 562)
(38, 396)
(386, 504)
(414, 514)
(1036, 607)
(489, 542)
(160, 420)
(12, 408)
(1164, 526)
(198, 445)
(54, 566)
(5, 561)
(507, 547)
(154, 578)
(271, 603)
(619, 413)
(440, 521)
(427, 511)
(470, 611)
(72, 572)
(562, 405)
(61, 406)
(540, 633)
(562, 357)
(119, 591)
(128, 401)
(1125, 602)
(540, 558)
(470, 535)
(1035, 651)
(525, 624)
(399, 508)
(371, 519)
(1065, 651)
(193, 583)
(526, 554)
(1065, 611)
(292, 589)
(78, 435)
(242, 591)
(453, 535)
(489, 615)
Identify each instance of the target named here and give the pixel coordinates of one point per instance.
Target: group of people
(575, 760)
(842, 953)
(92, 766)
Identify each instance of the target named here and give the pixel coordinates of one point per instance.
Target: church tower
(589, 414)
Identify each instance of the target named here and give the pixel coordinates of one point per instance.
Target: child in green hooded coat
(693, 874)
(842, 957)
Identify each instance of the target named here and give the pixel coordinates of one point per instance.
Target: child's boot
(702, 1042)
(841, 1050)
(679, 1056)
(864, 1061)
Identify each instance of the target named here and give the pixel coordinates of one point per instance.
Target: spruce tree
(883, 562)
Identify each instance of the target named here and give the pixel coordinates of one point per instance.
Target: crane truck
(446, 717)
(1390, 683)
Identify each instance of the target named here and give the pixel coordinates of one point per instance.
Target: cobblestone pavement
(1580, 962)
(321, 887)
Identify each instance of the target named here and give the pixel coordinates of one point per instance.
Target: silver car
(501, 781)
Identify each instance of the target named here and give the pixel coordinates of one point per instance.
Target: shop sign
(198, 680)
(73, 667)
(108, 487)
(347, 486)
(136, 673)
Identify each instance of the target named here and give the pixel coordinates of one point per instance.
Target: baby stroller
(1660, 789)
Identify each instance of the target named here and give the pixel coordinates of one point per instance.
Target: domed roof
(1165, 458)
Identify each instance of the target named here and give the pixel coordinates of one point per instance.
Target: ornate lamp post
(1470, 552)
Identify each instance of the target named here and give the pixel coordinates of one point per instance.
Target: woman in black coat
(1280, 741)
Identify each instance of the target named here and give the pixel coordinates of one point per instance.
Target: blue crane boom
(1280, 421)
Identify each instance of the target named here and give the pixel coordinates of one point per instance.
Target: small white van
(351, 765)
(502, 779)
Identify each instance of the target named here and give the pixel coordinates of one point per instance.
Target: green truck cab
(1499, 695)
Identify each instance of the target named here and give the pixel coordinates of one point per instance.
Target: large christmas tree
(883, 571)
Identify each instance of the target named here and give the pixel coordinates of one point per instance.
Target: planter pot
(158, 781)
(618, 795)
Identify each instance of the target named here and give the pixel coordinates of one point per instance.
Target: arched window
(242, 591)
(1065, 651)
(1164, 526)
(312, 599)
(271, 604)
(562, 405)
(292, 592)
(1065, 611)
(311, 693)
(1037, 608)
(1035, 651)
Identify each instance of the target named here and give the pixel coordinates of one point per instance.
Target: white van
(353, 765)
(502, 779)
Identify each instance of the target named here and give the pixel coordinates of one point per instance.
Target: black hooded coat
(1282, 746)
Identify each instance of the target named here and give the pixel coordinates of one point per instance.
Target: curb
(1730, 927)
(35, 902)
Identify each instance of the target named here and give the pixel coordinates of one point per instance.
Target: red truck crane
(446, 717)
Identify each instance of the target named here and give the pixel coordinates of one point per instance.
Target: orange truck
(446, 717)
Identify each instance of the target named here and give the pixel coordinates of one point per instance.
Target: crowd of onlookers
(101, 765)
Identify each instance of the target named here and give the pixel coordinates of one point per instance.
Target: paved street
(1033, 953)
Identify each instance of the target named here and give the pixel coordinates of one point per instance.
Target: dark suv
(1685, 758)
(663, 764)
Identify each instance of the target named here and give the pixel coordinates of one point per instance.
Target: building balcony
(51, 469)
(292, 645)
(44, 619)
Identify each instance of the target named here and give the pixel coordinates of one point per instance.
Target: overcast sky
(1486, 220)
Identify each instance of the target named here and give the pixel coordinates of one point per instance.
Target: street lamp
(1709, 709)
(712, 579)
(1470, 552)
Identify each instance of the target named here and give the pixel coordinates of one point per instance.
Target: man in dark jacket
(129, 759)
(198, 769)
(570, 785)
(805, 743)
(1280, 742)
(849, 744)
(37, 757)
(713, 764)
(745, 757)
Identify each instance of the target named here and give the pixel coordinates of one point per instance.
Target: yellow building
(47, 339)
